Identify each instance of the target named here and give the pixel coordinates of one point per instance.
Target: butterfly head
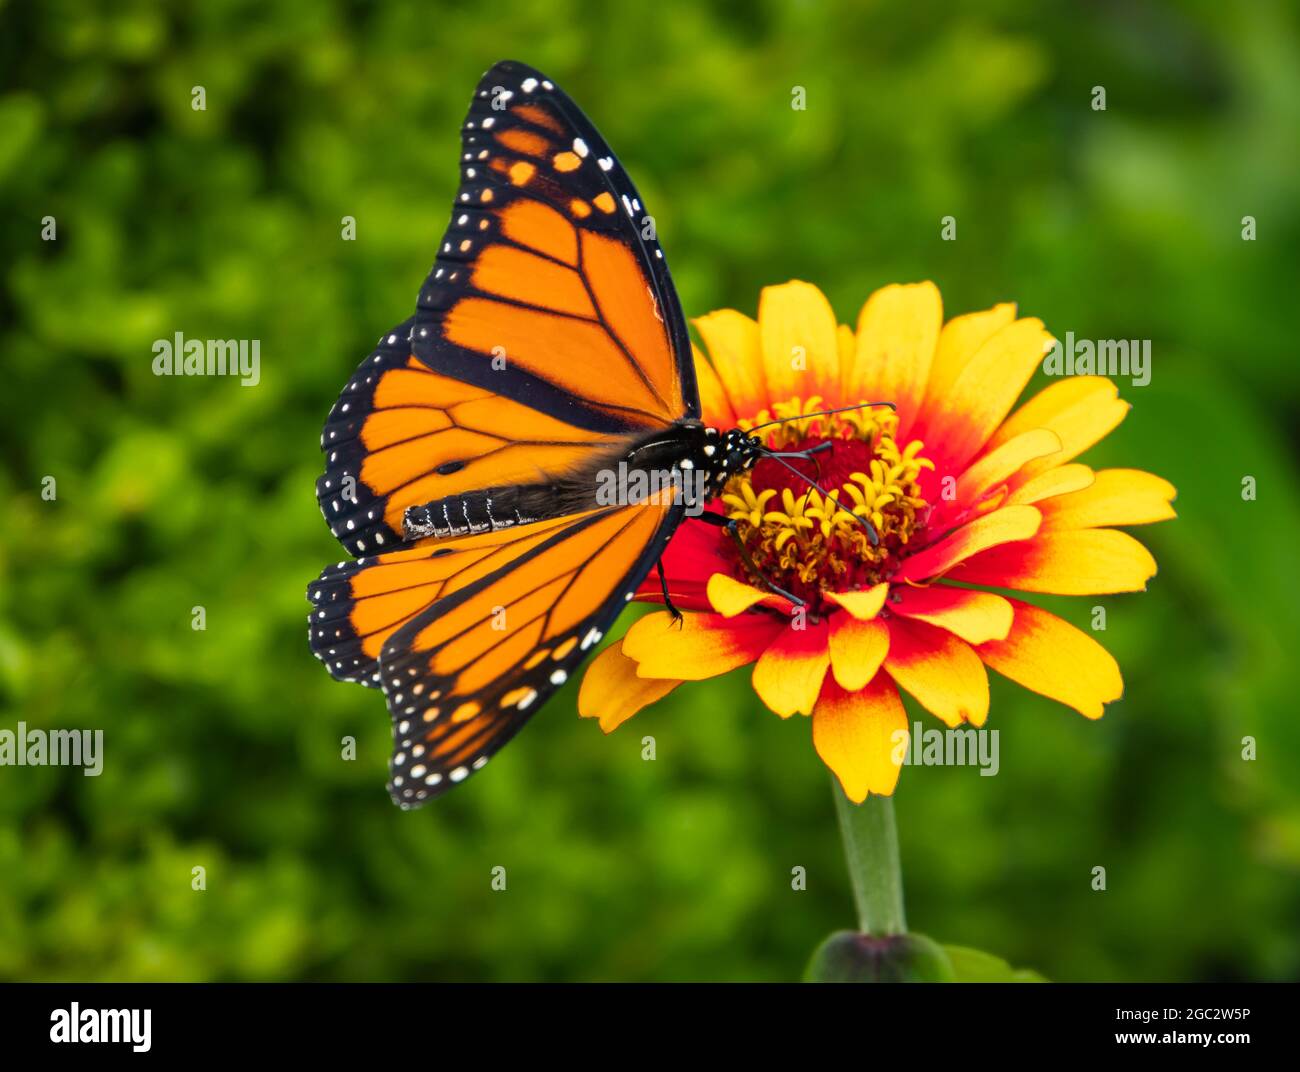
(729, 453)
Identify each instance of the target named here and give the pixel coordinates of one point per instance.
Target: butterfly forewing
(551, 266)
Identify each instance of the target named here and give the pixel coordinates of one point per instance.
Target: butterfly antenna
(806, 454)
(820, 413)
(779, 458)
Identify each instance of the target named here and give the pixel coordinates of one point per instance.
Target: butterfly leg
(668, 602)
(733, 530)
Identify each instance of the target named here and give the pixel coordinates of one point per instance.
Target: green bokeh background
(223, 746)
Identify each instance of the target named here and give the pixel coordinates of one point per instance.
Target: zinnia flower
(962, 497)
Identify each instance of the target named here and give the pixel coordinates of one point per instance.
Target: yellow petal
(1001, 464)
(613, 692)
(715, 406)
(862, 737)
(848, 348)
(788, 675)
(1068, 562)
(1005, 525)
(1081, 410)
(703, 646)
(1116, 497)
(941, 671)
(730, 597)
(897, 332)
(959, 341)
(734, 347)
(863, 605)
(1059, 481)
(857, 649)
(1053, 658)
(986, 389)
(974, 616)
(800, 342)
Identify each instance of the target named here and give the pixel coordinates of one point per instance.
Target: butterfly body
(689, 458)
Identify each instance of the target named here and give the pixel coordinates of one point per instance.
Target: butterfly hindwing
(464, 675)
(358, 604)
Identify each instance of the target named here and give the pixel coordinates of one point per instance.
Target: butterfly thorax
(692, 457)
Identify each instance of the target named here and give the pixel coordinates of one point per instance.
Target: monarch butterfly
(547, 348)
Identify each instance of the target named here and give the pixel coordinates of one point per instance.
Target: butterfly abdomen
(483, 511)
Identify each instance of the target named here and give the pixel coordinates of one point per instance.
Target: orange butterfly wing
(548, 326)
(551, 266)
(402, 435)
(357, 605)
(473, 634)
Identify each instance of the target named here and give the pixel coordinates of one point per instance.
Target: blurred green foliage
(223, 746)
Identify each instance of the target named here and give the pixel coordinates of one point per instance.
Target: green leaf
(974, 966)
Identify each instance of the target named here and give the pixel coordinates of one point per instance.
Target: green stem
(871, 852)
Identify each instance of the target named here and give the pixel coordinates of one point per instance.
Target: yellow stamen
(814, 542)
